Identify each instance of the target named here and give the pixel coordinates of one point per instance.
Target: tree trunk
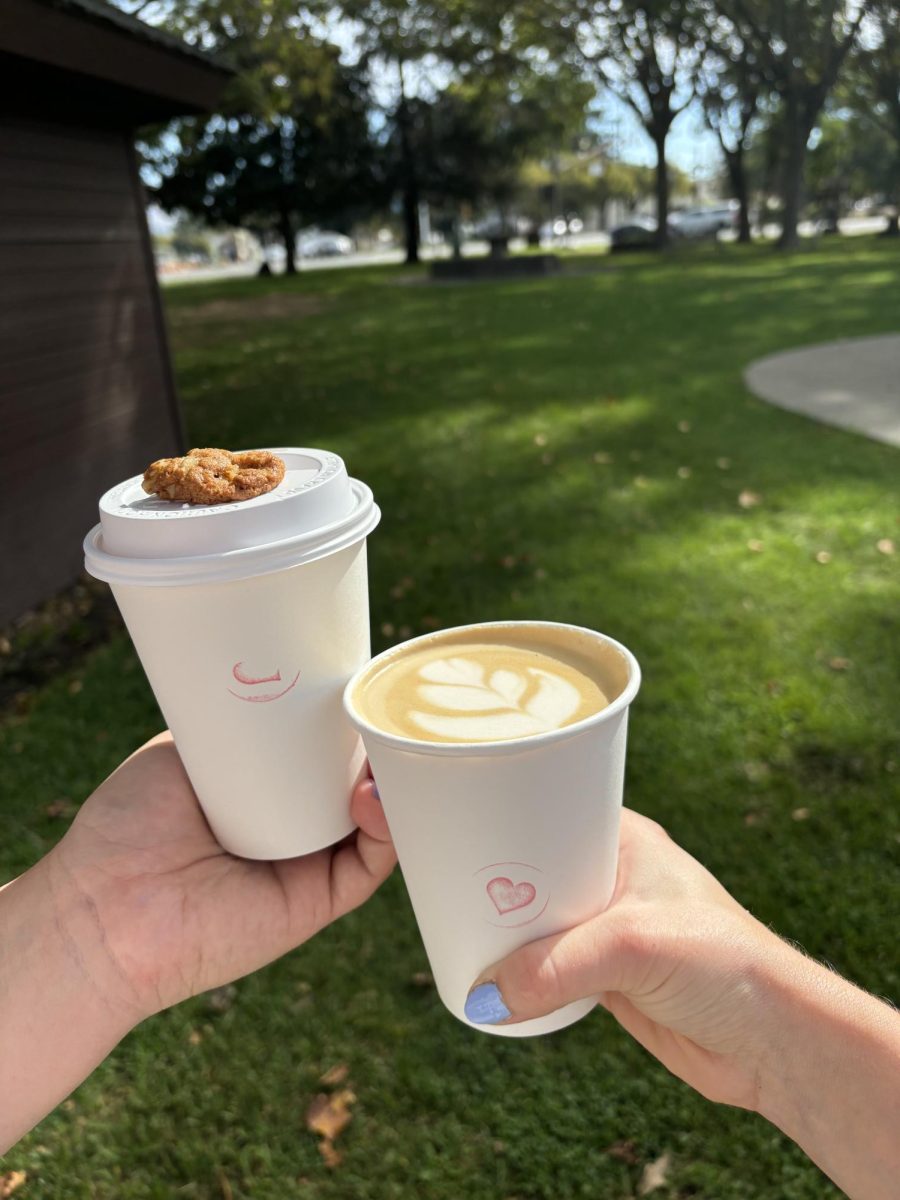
(409, 177)
(892, 229)
(411, 217)
(797, 135)
(738, 176)
(662, 193)
(288, 236)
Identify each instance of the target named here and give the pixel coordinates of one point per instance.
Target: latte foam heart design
(507, 896)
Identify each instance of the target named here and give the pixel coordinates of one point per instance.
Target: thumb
(587, 960)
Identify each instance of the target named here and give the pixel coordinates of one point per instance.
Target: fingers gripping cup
(499, 754)
(249, 618)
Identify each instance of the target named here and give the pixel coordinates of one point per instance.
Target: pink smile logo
(512, 894)
(253, 682)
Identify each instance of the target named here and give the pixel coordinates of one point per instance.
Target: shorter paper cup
(501, 843)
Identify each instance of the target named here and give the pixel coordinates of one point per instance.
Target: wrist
(57, 1021)
(84, 941)
(830, 1074)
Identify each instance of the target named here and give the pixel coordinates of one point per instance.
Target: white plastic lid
(315, 510)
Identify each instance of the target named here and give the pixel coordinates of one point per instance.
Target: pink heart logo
(508, 896)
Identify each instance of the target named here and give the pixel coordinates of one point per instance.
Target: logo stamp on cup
(262, 689)
(511, 894)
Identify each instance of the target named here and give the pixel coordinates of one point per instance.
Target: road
(849, 226)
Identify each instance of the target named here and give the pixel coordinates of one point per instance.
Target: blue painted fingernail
(375, 791)
(484, 1005)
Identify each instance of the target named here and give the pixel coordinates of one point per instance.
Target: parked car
(704, 222)
(324, 244)
(637, 234)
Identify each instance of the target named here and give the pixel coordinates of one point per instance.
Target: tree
(731, 86)
(396, 37)
(850, 158)
(474, 138)
(872, 88)
(478, 51)
(801, 47)
(647, 53)
(291, 143)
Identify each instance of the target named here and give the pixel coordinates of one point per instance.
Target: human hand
(159, 911)
(675, 959)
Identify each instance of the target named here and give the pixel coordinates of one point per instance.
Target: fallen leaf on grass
(684, 427)
(755, 545)
(655, 1174)
(60, 808)
(331, 1157)
(748, 499)
(752, 819)
(195, 1037)
(11, 1182)
(335, 1075)
(603, 458)
(540, 439)
(800, 814)
(423, 979)
(328, 1116)
(684, 472)
(823, 557)
(839, 664)
(885, 546)
(220, 999)
(625, 1151)
(723, 464)
(224, 1185)
(75, 687)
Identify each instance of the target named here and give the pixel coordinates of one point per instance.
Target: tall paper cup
(249, 618)
(501, 843)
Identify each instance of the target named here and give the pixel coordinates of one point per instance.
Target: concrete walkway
(853, 383)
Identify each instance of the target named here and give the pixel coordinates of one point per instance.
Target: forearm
(56, 1023)
(830, 1076)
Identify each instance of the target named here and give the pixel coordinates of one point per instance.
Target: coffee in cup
(499, 755)
(454, 689)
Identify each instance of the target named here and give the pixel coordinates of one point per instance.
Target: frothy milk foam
(495, 688)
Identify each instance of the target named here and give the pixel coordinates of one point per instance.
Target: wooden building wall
(86, 394)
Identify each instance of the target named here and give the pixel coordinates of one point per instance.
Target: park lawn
(574, 449)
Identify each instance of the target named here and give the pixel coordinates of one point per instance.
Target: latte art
(481, 692)
(506, 704)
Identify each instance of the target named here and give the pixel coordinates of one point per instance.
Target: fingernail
(484, 1005)
(375, 791)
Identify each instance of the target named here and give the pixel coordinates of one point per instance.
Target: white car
(704, 222)
(324, 244)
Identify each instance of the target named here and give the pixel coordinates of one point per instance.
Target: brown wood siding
(86, 396)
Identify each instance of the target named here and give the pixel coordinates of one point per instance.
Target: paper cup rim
(230, 565)
(533, 741)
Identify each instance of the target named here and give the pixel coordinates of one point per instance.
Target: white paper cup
(249, 618)
(501, 843)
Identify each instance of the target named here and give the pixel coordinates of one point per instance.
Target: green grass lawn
(571, 449)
